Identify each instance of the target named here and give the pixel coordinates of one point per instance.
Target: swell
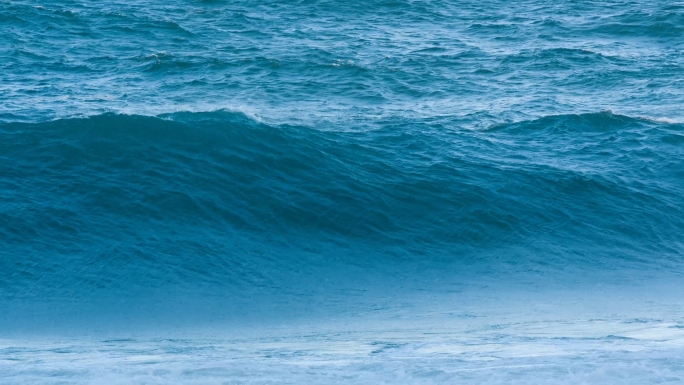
(216, 198)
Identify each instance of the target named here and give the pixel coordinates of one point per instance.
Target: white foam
(664, 120)
(459, 351)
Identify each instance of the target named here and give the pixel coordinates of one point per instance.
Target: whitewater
(316, 192)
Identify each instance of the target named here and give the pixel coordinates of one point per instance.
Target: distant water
(323, 192)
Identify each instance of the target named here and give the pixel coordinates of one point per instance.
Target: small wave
(604, 120)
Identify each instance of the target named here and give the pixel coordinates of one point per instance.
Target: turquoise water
(381, 192)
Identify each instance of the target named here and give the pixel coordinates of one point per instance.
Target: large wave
(216, 198)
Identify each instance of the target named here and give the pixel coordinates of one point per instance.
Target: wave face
(118, 201)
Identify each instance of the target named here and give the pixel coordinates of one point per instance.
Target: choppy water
(324, 192)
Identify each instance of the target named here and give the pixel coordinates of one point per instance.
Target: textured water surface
(324, 192)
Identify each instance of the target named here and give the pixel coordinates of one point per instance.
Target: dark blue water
(436, 189)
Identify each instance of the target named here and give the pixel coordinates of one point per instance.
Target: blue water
(319, 192)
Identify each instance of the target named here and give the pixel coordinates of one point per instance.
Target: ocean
(321, 192)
